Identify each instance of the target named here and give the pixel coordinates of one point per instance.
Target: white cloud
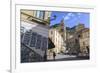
(68, 16)
(79, 15)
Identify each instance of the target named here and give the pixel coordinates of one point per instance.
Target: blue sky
(71, 18)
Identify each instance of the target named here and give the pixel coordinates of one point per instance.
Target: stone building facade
(78, 40)
(57, 35)
(34, 35)
(85, 41)
(57, 39)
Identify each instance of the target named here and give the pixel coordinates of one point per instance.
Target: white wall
(5, 37)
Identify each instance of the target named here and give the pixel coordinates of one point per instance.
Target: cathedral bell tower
(63, 29)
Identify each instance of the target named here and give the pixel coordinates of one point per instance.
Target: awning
(50, 44)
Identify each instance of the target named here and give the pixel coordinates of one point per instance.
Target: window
(44, 43)
(27, 37)
(37, 14)
(40, 14)
(22, 35)
(51, 32)
(22, 29)
(76, 41)
(38, 43)
(33, 40)
(83, 43)
(79, 36)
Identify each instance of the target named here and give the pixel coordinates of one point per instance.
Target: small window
(79, 36)
(51, 32)
(83, 43)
